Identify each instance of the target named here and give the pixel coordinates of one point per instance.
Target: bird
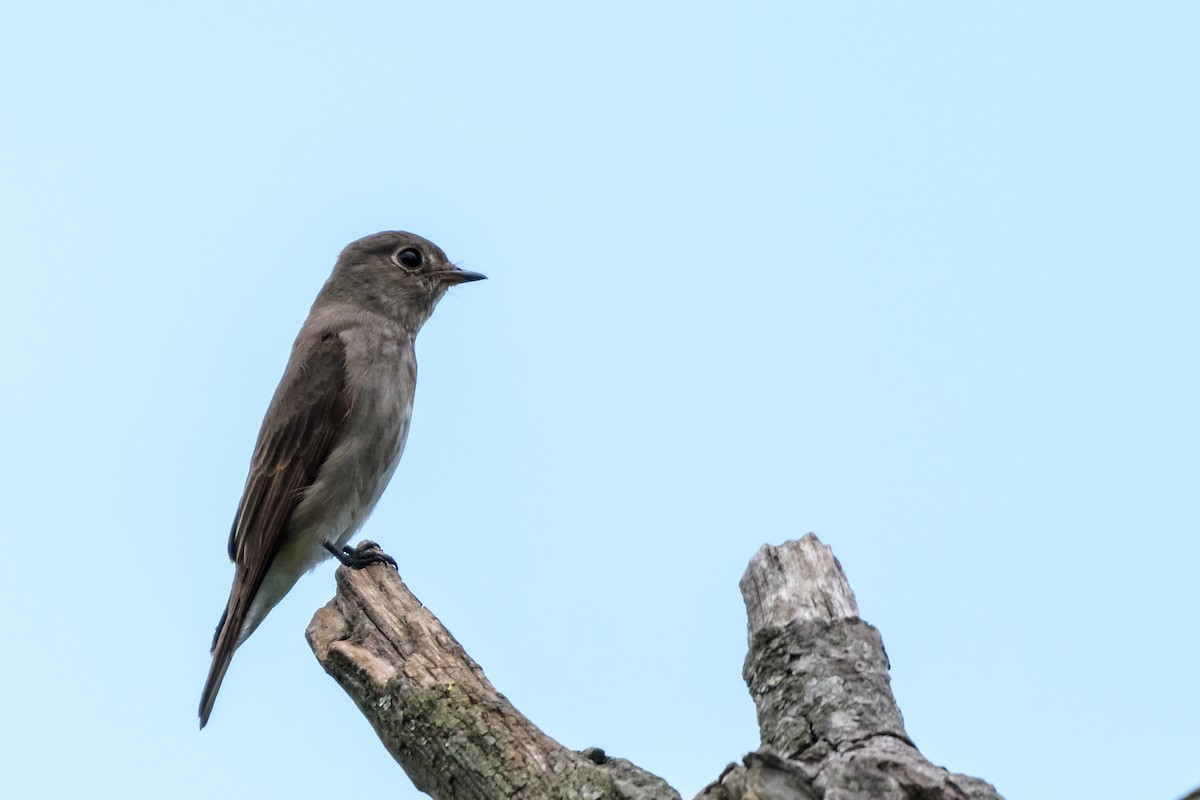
(334, 430)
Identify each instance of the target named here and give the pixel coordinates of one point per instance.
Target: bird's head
(394, 273)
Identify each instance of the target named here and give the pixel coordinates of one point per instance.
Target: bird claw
(364, 555)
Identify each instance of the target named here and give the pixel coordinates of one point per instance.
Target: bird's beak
(457, 275)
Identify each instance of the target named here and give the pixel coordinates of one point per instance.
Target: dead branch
(818, 674)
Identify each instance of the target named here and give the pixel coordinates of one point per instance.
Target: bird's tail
(225, 642)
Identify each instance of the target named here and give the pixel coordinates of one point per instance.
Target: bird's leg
(366, 554)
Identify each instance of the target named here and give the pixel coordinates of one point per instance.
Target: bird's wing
(302, 424)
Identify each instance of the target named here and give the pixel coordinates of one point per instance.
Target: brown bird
(334, 430)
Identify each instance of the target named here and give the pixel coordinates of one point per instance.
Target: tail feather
(225, 642)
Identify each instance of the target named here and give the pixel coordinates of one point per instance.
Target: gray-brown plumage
(334, 430)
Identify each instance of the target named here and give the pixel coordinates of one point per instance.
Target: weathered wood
(818, 675)
(819, 678)
(436, 712)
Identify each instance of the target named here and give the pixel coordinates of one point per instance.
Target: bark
(436, 712)
(818, 674)
(819, 678)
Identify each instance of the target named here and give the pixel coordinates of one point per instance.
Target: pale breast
(382, 370)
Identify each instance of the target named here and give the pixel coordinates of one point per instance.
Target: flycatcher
(334, 430)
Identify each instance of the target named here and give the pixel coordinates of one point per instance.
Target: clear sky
(922, 278)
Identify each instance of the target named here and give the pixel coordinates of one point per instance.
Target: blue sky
(920, 278)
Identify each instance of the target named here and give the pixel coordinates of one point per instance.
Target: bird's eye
(409, 258)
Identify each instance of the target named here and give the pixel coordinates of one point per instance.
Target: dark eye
(409, 258)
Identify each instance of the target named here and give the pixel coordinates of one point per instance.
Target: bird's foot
(364, 555)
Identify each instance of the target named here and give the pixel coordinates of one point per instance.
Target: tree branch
(819, 678)
(436, 712)
(818, 674)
